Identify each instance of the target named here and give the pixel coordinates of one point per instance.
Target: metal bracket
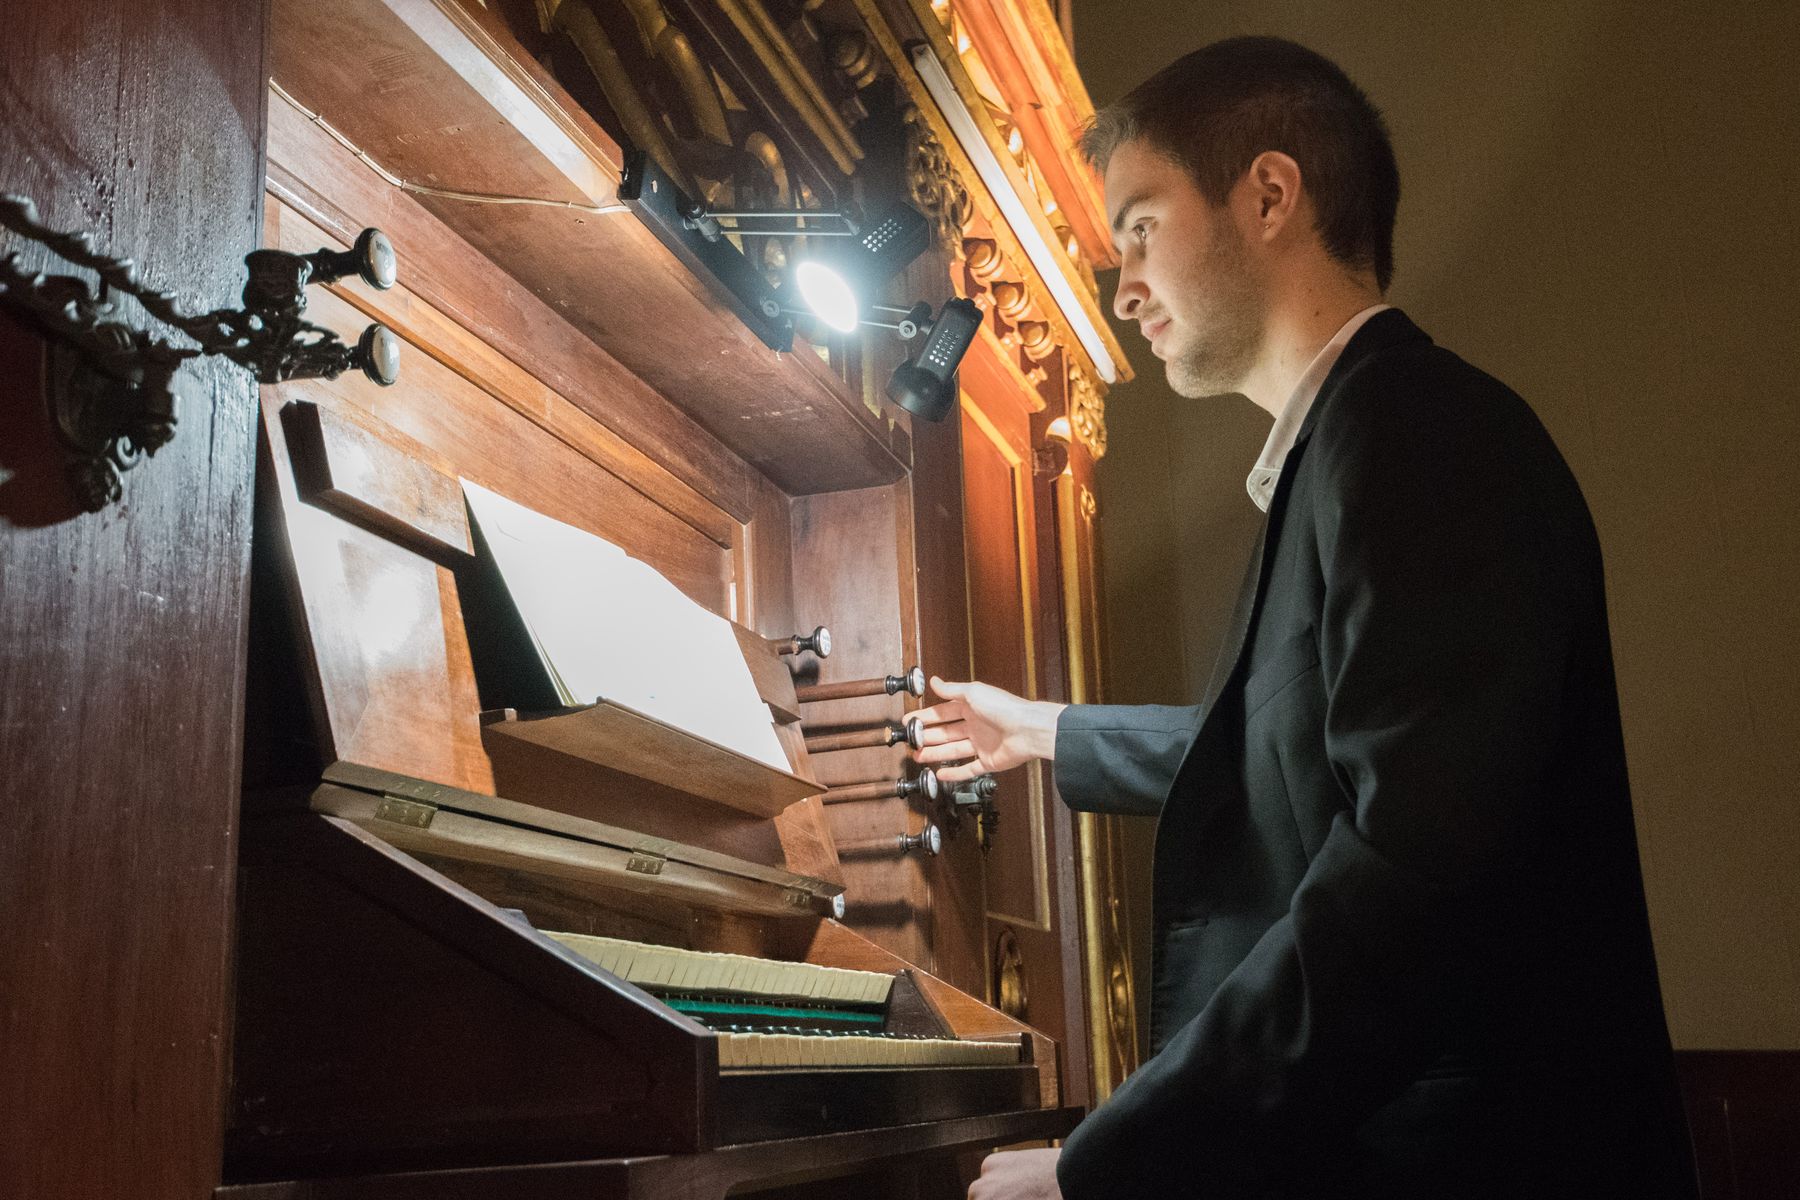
(115, 392)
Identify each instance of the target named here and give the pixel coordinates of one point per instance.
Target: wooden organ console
(489, 946)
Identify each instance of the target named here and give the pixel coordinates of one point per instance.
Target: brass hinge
(405, 812)
(646, 863)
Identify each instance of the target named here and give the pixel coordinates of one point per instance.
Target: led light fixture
(837, 286)
(926, 387)
(968, 135)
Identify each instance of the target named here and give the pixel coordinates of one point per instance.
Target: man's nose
(1130, 296)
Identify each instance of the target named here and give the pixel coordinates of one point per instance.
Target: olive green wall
(1599, 206)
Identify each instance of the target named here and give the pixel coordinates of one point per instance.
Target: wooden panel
(342, 464)
(454, 399)
(122, 632)
(440, 93)
(379, 629)
(491, 327)
(959, 897)
(466, 431)
(620, 741)
(765, 570)
(846, 567)
(388, 1017)
(896, 1154)
(999, 622)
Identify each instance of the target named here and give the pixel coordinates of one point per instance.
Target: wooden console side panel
(389, 1018)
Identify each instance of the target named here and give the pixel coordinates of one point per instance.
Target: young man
(1401, 947)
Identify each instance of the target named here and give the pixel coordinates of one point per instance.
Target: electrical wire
(422, 189)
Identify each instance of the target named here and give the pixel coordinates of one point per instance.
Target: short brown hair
(1213, 111)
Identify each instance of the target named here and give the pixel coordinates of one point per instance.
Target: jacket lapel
(1381, 331)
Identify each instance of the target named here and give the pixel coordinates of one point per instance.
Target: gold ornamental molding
(933, 182)
(1102, 874)
(1087, 412)
(1008, 250)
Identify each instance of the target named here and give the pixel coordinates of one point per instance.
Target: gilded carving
(1010, 299)
(932, 181)
(853, 54)
(983, 257)
(1090, 507)
(1009, 975)
(1036, 339)
(1087, 412)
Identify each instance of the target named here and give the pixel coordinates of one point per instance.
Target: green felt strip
(716, 1008)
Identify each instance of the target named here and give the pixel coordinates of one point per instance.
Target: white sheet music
(608, 627)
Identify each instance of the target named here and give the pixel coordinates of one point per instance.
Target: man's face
(1187, 276)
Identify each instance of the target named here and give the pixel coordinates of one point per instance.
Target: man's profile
(1400, 942)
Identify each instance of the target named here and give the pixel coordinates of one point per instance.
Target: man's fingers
(945, 753)
(949, 690)
(960, 773)
(937, 714)
(949, 731)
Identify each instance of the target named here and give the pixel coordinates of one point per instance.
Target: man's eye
(1139, 231)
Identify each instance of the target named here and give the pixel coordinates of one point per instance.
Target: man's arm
(1450, 587)
(1109, 758)
(1121, 758)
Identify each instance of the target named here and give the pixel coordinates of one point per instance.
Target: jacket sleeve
(1445, 541)
(1117, 758)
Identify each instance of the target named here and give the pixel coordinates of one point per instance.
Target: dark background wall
(1600, 208)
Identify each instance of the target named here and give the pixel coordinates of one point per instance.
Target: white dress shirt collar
(1267, 471)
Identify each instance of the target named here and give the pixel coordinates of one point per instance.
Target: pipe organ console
(509, 934)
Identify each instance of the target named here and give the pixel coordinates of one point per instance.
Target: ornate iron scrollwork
(115, 391)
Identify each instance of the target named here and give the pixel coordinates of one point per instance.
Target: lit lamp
(835, 287)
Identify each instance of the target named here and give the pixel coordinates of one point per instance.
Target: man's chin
(1192, 385)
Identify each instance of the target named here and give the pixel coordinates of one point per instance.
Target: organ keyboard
(769, 1014)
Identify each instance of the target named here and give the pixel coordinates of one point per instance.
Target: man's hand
(982, 730)
(1017, 1175)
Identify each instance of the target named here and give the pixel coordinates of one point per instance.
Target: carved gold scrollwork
(1121, 994)
(1087, 412)
(854, 55)
(1009, 975)
(935, 187)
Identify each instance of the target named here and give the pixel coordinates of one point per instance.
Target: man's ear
(1273, 182)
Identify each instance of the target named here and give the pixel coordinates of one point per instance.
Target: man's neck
(1299, 326)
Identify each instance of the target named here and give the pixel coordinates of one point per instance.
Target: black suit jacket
(1400, 943)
